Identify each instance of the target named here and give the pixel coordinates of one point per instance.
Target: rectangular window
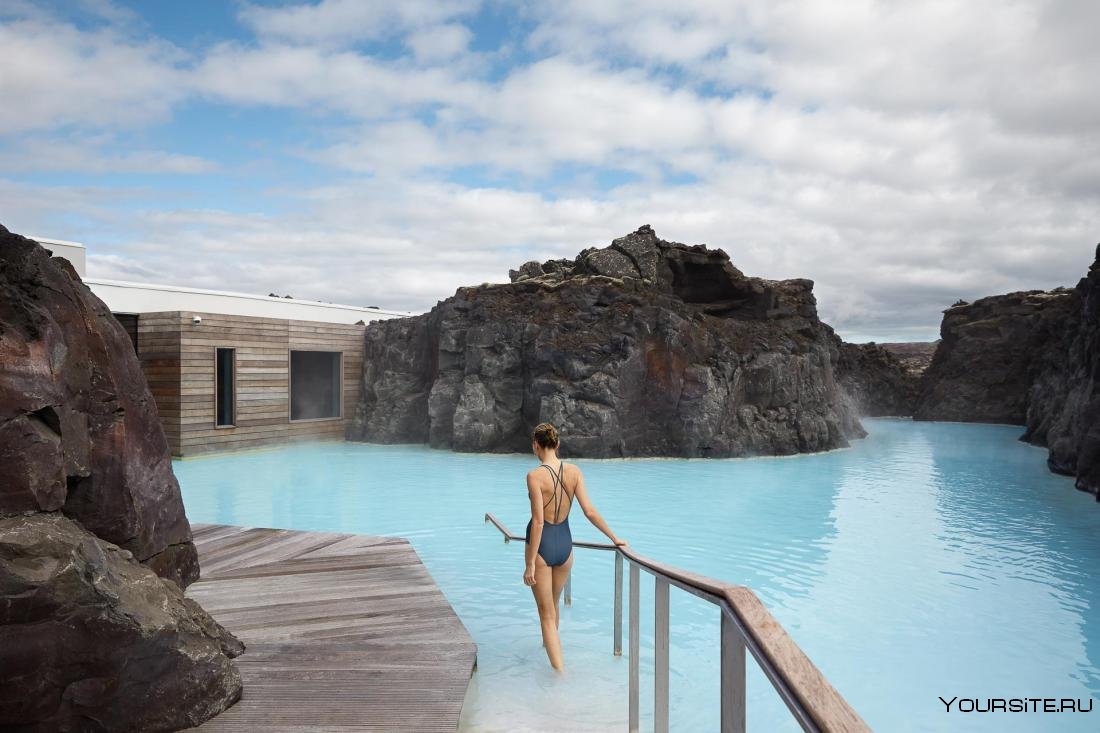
(225, 390)
(315, 385)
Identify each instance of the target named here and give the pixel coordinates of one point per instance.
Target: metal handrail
(746, 624)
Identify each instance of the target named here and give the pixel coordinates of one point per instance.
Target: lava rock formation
(91, 640)
(1030, 358)
(878, 382)
(988, 356)
(95, 548)
(642, 348)
(79, 431)
(1064, 399)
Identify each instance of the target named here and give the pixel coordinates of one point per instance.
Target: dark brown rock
(915, 356)
(78, 427)
(91, 640)
(877, 381)
(1064, 399)
(645, 347)
(988, 356)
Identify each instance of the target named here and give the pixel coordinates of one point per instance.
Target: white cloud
(283, 75)
(96, 155)
(439, 43)
(55, 75)
(117, 267)
(404, 243)
(393, 148)
(900, 154)
(350, 20)
(583, 113)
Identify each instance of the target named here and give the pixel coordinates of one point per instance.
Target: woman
(552, 487)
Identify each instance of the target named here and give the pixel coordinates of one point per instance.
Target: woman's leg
(560, 574)
(544, 600)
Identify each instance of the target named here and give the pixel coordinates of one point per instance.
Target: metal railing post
(733, 678)
(569, 589)
(660, 656)
(618, 651)
(635, 662)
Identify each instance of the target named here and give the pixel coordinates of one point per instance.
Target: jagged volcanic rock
(91, 640)
(1064, 400)
(645, 347)
(878, 382)
(78, 427)
(988, 356)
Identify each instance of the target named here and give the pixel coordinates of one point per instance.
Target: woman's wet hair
(546, 435)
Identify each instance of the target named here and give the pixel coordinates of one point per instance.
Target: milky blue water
(931, 559)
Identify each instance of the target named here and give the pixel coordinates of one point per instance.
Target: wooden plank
(829, 710)
(233, 438)
(343, 632)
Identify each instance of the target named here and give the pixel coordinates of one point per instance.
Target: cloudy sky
(900, 154)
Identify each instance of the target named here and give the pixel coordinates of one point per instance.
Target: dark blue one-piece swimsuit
(557, 540)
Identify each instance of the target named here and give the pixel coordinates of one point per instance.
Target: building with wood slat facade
(232, 371)
(179, 358)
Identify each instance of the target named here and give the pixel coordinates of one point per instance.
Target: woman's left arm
(536, 531)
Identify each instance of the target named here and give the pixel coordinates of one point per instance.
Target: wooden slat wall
(262, 410)
(159, 354)
(263, 348)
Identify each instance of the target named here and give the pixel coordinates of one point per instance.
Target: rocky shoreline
(642, 348)
(654, 348)
(1029, 358)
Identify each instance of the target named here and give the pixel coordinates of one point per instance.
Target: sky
(902, 155)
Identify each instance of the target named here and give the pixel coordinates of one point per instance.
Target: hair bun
(546, 435)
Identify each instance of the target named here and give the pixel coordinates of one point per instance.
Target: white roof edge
(246, 296)
(43, 240)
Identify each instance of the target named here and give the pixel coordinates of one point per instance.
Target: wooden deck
(344, 632)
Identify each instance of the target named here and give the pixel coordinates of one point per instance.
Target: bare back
(556, 501)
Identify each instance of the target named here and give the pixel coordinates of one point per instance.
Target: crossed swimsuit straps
(557, 540)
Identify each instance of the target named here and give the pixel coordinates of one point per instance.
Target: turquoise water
(931, 559)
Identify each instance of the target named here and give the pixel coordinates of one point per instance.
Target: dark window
(224, 387)
(129, 321)
(314, 384)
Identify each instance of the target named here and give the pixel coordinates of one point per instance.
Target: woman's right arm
(590, 512)
(535, 536)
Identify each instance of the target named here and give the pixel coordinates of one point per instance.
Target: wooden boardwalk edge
(343, 632)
